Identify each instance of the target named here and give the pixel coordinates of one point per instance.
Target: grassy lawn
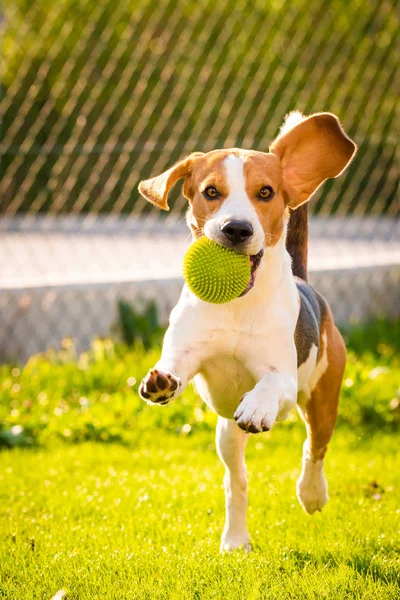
(105, 497)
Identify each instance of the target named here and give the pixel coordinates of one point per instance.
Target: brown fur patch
(314, 150)
(209, 171)
(297, 240)
(261, 169)
(320, 411)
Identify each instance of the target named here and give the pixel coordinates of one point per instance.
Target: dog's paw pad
(250, 427)
(159, 387)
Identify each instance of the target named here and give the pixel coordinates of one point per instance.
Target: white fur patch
(321, 366)
(306, 369)
(311, 371)
(312, 489)
(234, 173)
(291, 120)
(270, 400)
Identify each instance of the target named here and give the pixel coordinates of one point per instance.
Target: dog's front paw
(159, 387)
(255, 414)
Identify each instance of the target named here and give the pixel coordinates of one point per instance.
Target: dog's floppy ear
(156, 190)
(314, 149)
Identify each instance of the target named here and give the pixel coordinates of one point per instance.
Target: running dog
(254, 358)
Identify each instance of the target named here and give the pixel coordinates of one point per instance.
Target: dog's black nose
(237, 232)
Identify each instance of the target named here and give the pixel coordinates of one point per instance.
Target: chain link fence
(96, 95)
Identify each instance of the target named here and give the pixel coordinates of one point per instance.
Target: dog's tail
(297, 240)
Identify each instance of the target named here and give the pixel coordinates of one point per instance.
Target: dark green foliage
(103, 91)
(135, 327)
(371, 389)
(62, 396)
(381, 338)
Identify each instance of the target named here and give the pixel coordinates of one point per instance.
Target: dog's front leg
(178, 363)
(272, 398)
(231, 442)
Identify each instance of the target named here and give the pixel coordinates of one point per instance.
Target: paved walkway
(64, 253)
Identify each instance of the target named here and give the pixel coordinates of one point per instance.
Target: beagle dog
(276, 345)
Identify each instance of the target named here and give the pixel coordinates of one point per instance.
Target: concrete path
(60, 254)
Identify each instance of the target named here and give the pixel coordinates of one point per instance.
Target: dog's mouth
(255, 260)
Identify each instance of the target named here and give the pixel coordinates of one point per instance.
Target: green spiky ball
(214, 273)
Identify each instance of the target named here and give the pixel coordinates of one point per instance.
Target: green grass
(144, 521)
(108, 498)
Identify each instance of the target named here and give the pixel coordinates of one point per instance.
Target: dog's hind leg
(319, 411)
(231, 443)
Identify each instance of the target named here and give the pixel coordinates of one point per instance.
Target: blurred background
(97, 95)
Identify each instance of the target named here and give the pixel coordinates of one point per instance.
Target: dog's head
(240, 198)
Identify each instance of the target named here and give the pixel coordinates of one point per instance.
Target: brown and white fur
(252, 359)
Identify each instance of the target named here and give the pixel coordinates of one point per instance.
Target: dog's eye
(266, 193)
(211, 192)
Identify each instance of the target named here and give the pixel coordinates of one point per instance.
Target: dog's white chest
(222, 382)
(233, 361)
